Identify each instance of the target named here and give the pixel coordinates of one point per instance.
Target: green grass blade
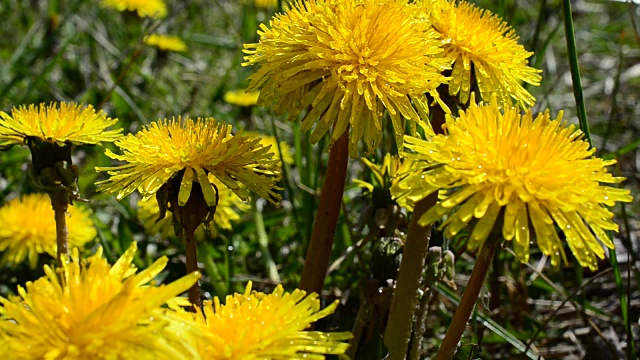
(575, 70)
(624, 306)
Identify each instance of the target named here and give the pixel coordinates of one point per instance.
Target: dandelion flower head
(92, 310)
(256, 325)
(241, 97)
(165, 148)
(58, 123)
(527, 174)
(266, 4)
(156, 9)
(227, 212)
(166, 42)
(348, 61)
(25, 237)
(483, 46)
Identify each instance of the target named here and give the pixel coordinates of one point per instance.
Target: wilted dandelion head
(156, 9)
(526, 174)
(256, 325)
(192, 149)
(166, 42)
(228, 211)
(58, 123)
(92, 310)
(346, 62)
(28, 229)
(484, 47)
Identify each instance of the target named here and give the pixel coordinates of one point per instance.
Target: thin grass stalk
(468, 300)
(627, 243)
(632, 259)
(362, 318)
(324, 228)
(417, 338)
(108, 253)
(624, 306)
(575, 69)
(270, 266)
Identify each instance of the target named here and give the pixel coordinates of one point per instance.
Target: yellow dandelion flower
(166, 148)
(256, 325)
(91, 310)
(268, 140)
(166, 42)
(241, 97)
(483, 46)
(387, 175)
(266, 3)
(24, 237)
(348, 61)
(524, 174)
(59, 123)
(156, 9)
(227, 212)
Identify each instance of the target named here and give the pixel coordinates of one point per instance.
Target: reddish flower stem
(319, 252)
(192, 265)
(468, 301)
(60, 216)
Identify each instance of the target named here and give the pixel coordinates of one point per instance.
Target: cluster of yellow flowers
(89, 309)
(348, 60)
(86, 308)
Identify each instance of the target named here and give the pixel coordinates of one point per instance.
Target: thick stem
(405, 296)
(60, 215)
(319, 252)
(192, 265)
(468, 301)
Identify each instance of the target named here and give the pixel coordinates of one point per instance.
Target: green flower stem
(192, 265)
(60, 215)
(469, 298)
(263, 241)
(324, 228)
(405, 295)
